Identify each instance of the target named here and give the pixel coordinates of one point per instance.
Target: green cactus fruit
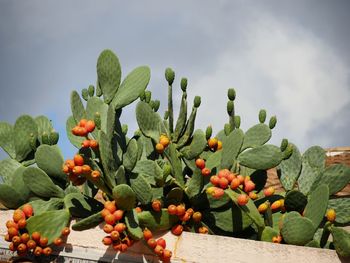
(25, 129)
(317, 205)
(40, 183)
(49, 224)
(272, 122)
(262, 116)
(132, 225)
(88, 222)
(141, 188)
(53, 137)
(77, 107)
(157, 220)
(44, 125)
(124, 196)
(75, 140)
(7, 142)
(132, 86)
(182, 118)
(230, 107)
(9, 197)
(227, 129)
(295, 201)
(7, 169)
(108, 74)
(81, 206)
(341, 241)
(45, 138)
(284, 144)
(342, 208)
(183, 84)
(257, 135)
(143, 96)
(231, 147)
(335, 176)
(194, 184)
(196, 146)
(156, 105)
(290, 169)
(91, 90)
(197, 101)
(149, 121)
(41, 206)
(261, 157)
(231, 94)
(268, 233)
(85, 94)
(237, 121)
(297, 230)
(169, 75)
(208, 132)
(148, 96)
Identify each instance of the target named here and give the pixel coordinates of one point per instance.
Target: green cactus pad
(132, 86)
(189, 128)
(181, 120)
(214, 160)
(75, 140)
(91, 90)
(18, 184)
(150, 122)
(313, 243)
(157, 220)
(150, 169)
(195, 184)
(88, 222)
(141, 188)
(262, 116)
(315, 156)
(317, 205)
(7, 142)
(342, 208)
(130, 156)
(132, 225)
(94, 105)
(249, 209)
(81, 206)
(7, 168)
(49, 224)
(42, 206)
(120, 175)
(108, 162)
(272, 122)
(262, 157)
(341, 241)
(231, 147)
(175, 196)
(257, 135)
(40, 183)
(335, 176)
(196, 146)
(307, 177)
(290, 169)
(25, 130)
(85, 94)
(268, 233)
(297, 230)
(9, 197)
(77, 107)
(295, 201)
(124, 196)
(108, 74)
(176, 165)
(50, 160)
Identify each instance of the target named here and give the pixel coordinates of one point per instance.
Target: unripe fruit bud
(272, 122)
(230, 107)
(242, 199)
(237, 121)
(91, 90)
(169, 75)
(125, 129)
(197, 101)
(148, 96)
(331, 215)
(156, 105)
(85, 94)
(45, 138)
(288, 151)
(166, 170)
(208, 132)
(54, 137)
(200, 163)
(284, 145)
(166, 115)
(183, 84)
(231, 94)
(262, 116)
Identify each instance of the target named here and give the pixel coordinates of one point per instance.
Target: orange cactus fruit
(120, 227)
(197, 217)
(147, 234)
(219, 147)
(110, 206)
(11, 223)
(78, 160)
(159, 250)
(277, 239)
(230, 177)
(180, 210)
(172, 210)
(262, 208)
(43, 241)
(16, 240)
(253, 195)
(177, 230)
(223, 182)
(203, 230)
(159, 148)
(214, 179)
(12, 232)
(58, 241)
(152, 243)
(38, 251)
(93, 144)
(21, 248)
(65, 231)
(107, 228)
(31, 244)
(95, 175)
(118, 214)
(218, 193)
(107, 241)
(82, 122)
(200, 163)
(77, 170)
(86, 169)
(223, 173)
(157, 205)
(85, 144)
(161, 242)
(70, 164)
(249, 186)
(331, 215)
(213, 143)
(164, 140)
(90, 126)
(110, 219)
(75, 130)
(18, 214)
(242, 199)
(269, 191)
(115, 235)
(185, 217)
(47, 251)
(205, 171)
(235, 183)
(241, 178)
(36, 236)
(276, 205)
(25, 238)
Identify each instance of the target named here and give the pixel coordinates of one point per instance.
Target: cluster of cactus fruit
(167, 175)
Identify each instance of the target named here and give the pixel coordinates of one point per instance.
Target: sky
(291, 58)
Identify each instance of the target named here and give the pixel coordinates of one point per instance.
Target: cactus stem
(170, 109)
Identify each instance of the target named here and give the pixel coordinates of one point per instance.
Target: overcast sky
(291, 58)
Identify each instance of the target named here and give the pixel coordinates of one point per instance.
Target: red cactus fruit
(235, 183)
(214, 179)
(161, 242)
(43, 241)
(249, 186)
(118, 214)
(38, 251)
(18, 214)
(27, 210)
(47, 251)
(120, 227)
(177, 230)
(152, 243)
(90, 126)
(242, 199)
(180, 210)
(58, 241)
(107, 241)
(200, 163)
(157, 205)
(107, 228)
(223, 182)
(65, 231)
(172, 210)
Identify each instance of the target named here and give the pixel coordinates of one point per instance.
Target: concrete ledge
(86, 246)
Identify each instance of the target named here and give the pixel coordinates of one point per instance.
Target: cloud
(284, 68)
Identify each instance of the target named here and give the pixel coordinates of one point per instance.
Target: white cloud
(281, 67)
